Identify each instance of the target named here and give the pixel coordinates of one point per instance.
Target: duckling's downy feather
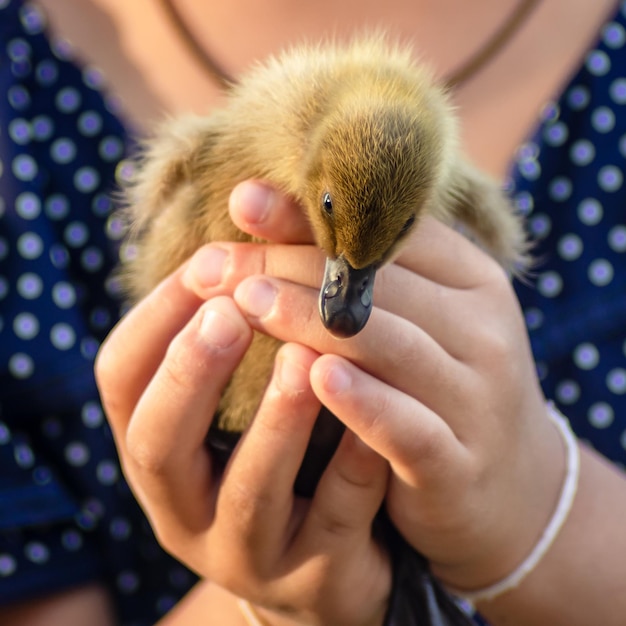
(361, 127)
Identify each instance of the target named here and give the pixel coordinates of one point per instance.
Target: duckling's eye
(327, 203)
(408, 224)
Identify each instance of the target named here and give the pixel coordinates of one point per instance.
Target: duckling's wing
(473, 201)
(174, 202)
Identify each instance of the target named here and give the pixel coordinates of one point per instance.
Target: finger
(444, 256)
(348, 496)
(338, 525)
(418, 444)
(262, 211)
(431, 467)
(428, 304)
(132, 352)
(216, 269)
(257, 488)
(390, 348)
(165, 452)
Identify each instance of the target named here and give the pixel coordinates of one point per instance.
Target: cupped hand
(441, 383)
(161, 373)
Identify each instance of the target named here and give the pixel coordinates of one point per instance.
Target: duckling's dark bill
(346, 297)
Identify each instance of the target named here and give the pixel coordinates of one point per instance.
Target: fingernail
(292, 377)
(255, 296)
(253, 201)
(218, 330)
(338, 379)
(206, 267)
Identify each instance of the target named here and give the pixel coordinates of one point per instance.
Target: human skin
(439, 388)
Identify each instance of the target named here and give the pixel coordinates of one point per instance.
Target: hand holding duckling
(441, 383)
(424, 360)
(244, 530)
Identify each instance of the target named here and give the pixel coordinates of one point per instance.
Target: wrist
(523, 535)
(552, 529)
(582, 579)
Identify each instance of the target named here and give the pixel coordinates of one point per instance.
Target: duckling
(361, 136)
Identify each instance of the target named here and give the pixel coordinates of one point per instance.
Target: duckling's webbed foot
(346, 297)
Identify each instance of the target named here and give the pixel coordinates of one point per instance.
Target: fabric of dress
(66, 515)
(569, 180)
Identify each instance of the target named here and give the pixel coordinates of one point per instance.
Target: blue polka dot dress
(569, 181)
(66, 515)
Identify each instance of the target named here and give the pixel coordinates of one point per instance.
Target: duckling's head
(372, 167)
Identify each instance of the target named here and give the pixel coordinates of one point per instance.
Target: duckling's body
(360, 136)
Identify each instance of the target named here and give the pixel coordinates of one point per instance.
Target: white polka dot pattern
(569, 181)
(85, 122)
(62, 491)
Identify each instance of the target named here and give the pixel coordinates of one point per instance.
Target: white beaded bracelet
(568, 493)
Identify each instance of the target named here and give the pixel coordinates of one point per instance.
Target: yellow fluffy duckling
(360, 135)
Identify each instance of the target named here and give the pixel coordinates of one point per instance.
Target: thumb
(263, 211)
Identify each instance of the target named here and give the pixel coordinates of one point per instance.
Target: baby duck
(360, 135)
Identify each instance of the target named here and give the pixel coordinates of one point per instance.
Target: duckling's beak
(346, 297)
